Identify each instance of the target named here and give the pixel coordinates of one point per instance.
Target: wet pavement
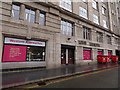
(16, 78)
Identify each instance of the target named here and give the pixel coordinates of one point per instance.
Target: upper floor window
(102, 1)
(15, 11)
(103, 10)
(84, 0)
(94, 4)
(105, 23)
(83, 12)
(66, 4)
(95, 19)
(116, 40)
(66, 28)
(99, 37)
(42, 19)
(108, 39)
(86, 33)
(29, 15)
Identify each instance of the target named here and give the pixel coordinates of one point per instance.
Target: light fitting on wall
(69, 38)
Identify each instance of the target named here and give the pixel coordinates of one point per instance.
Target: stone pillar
(94, 54)
(90, 17)
(100, 13)
(93, 35)
(78, 54)
(113, 52)
(37, 15)
(57, 51)
(105, 52)
(50, 63)
(22, 11)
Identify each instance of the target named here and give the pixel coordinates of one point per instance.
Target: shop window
(66, 4)
(86, 54)
(100, 52)
(99, 37)
(15, 11)
(29, 15)
(42, 19)
(35, 54)
(86, 33)
(109, 52)
(13, 53)
(66, 28)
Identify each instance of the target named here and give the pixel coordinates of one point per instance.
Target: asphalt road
(107, 78)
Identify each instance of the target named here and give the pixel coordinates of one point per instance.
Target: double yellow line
(77, 76)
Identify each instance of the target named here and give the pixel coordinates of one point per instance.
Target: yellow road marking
(52, 82)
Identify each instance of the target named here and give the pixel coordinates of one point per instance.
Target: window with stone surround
(95, 4)
(29, 15)
(95, 19)
(108, 37)
(15, 11)
(66, 28)
(42, 19)
(86, 33)
(99, 37)
(66, 4)
(83, 12)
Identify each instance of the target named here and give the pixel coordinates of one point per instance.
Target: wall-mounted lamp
(69, 38)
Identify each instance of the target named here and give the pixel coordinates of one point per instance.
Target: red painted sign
(86, 54)
(14, 53)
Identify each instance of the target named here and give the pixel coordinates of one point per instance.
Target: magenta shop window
(86, 54)
(14, 53)
(109, 53)
(100, 52)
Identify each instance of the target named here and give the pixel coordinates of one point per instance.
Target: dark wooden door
(70, 56)
(63, 56)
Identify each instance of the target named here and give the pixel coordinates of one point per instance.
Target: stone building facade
(54, 34)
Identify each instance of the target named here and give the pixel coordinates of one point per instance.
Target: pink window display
(100, 53)
(109, 53)
(87, 54)
(14, 53)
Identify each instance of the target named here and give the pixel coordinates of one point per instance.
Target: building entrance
(67, 55)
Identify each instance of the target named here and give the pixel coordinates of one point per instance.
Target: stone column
(93, 35)
(22, 11)
(113, 52)
(94, 54)
(90, 17)
(78, 55)
(57, 51)
(37, 15)
(105, 52)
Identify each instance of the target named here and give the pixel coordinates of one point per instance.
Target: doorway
(67, 56)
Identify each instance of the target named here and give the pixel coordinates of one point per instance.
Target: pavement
(24, 77)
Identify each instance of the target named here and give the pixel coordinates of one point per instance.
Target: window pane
(35, 54)
(15, 11)
(42, 19)
(15, 7)
(32, 18)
